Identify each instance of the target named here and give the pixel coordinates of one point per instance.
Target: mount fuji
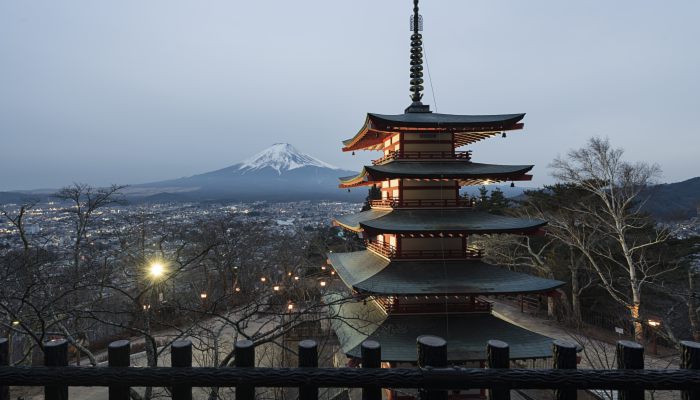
(278, 173)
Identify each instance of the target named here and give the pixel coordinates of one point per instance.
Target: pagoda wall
(392, 143)
(429, 190)
(422, 141)
(432, 243)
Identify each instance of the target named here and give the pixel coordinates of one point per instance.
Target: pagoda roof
(466, 334)
(442, 220)
(467, 128)
(467, 171)
(369, 273)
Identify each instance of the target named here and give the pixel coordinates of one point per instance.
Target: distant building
(419, 275)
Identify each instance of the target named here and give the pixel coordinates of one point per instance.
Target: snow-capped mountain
(281, 157)
(278, 173)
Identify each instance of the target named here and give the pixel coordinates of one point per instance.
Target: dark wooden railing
(420, 203)
(433, 378)
(424, 155)
(389, 251)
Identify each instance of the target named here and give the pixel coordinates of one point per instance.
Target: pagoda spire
(416, 63)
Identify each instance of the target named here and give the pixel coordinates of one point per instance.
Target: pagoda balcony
(424, 155)
(441, 304)
(391, 252)
(420, 203)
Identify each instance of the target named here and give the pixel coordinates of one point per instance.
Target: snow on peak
(281, 157)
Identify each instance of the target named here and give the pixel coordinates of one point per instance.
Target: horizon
(130, 93)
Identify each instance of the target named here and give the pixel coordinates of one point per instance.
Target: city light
(322, 283)
(203, 296)
(263, 279)
(238, 289)
(290, 307)
(15, 323)
(654, 323)
(276, 288)
(296, 278)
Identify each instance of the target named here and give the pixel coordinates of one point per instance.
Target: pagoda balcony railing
(389, 251)
(424, 155)
(439, 305)
(393, 202)
(433, 377)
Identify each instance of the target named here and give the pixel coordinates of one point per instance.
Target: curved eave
(418, 221)
(352, 221)
(467, 128)
(466, 172)
(463, 170)
(371, 274)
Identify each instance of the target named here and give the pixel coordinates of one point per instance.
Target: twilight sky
(133, 91)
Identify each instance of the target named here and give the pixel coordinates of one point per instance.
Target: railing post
(56, 355)
(564, 358)
(118, 356)
(690, 359)
(4, 361)
(371, 358)
(498, 356)
(181, 357)
(308, 358)
(630, 355)
(432, 353)
(244, 352)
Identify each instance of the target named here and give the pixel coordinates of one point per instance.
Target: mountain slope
(674, 201)
(278, 173)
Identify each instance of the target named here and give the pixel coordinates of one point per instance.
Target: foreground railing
(433, 378)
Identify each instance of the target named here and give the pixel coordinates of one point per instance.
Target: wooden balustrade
(433, 379)
(393, 202)
(389, 251)
(424, 155)
(441, 305)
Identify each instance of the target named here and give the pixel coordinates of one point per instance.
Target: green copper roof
(460, 220)
(440, 169)
(466, 334)
(367, 272)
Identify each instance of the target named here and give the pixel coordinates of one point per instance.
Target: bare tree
(610, 230)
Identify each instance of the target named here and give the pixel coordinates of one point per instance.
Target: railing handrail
(423, 155)
(433, 378)
(394, 202)
(391, 251)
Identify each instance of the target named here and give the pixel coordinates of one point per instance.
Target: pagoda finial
(416, 62)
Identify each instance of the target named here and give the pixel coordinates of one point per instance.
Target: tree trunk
(575, 300)
(693, 304)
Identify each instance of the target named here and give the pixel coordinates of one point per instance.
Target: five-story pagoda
(419, 275)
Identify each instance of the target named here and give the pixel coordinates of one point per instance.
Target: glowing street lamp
(276, 288)
(15, 323)
(322, 283)
(203, 296)
(290, 306)
(263, 279)
(156, 270)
